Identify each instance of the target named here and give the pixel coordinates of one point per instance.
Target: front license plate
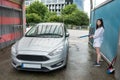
(38, 66)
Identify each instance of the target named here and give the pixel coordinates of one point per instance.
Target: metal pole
(91, 4)
(23, 16)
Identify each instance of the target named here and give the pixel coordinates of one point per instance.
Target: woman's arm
(98, 33)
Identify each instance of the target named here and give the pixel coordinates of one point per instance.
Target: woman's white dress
(98, 37)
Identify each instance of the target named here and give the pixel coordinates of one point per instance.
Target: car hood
(39, 44)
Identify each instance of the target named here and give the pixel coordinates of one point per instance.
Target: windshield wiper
(46, 34)
(30, 36)
(52, 34)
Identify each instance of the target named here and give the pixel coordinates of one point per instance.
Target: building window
(59, 10)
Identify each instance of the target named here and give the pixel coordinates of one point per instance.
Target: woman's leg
(98, 54)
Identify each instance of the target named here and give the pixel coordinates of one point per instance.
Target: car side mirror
(67, 35)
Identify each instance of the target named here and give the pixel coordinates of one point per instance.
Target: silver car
(43, 48)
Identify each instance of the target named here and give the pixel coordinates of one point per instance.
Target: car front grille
(32, 58)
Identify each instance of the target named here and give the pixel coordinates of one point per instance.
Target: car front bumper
(46, 66)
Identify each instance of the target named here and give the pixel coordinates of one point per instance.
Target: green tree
(37, 12)
(79, 18)
(55, 18)
(72, 15)
(69, 9)
(36, 9)
(48, 15)
(33, 18)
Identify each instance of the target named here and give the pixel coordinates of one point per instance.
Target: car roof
(51, 23)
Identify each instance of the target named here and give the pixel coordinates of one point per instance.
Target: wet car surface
(80, 64)
(43, 48)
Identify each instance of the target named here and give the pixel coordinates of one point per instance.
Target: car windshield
(46, 31)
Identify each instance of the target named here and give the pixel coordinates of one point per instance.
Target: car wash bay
(80, 64)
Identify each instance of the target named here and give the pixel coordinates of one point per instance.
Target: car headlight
(13, 50)
(57, 51)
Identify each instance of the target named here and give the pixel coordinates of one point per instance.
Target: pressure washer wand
(84, 36)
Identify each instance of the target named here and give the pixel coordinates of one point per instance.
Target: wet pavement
(80, 64)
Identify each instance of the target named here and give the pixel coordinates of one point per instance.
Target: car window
(46, 31)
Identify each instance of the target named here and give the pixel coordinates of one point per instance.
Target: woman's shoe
(97, 64)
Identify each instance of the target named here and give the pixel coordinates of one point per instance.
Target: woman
(98, 39)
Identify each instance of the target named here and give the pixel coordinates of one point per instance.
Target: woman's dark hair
(101, 25)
